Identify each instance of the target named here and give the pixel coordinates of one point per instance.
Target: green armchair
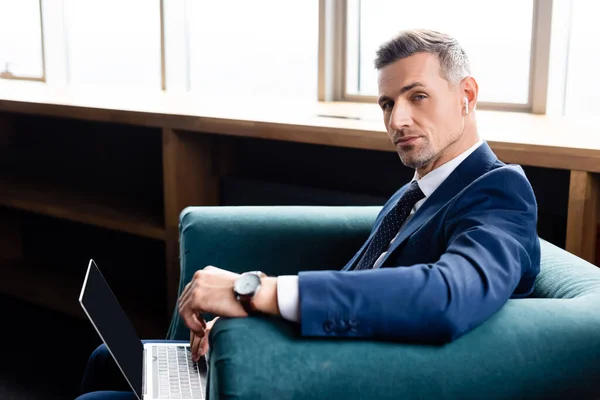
(543, 347)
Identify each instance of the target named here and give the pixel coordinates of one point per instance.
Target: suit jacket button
(343, 327)
(328, 326)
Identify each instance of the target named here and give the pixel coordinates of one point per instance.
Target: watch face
(247, 284)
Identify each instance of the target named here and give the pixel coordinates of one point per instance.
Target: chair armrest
(531, 348)
(564, 275)
(276, 240)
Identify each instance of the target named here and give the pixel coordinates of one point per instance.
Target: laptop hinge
(144, 372)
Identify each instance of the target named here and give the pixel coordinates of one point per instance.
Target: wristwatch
(246, 287)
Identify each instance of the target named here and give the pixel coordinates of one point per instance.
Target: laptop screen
(113, 326)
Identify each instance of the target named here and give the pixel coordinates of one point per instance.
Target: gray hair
(454, 63)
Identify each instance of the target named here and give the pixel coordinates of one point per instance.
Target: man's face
(421, 110)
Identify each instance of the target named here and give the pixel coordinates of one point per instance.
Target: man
(447, 250)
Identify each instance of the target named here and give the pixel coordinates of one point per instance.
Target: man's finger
(192, 338)
(194, 322)
(204, 341)
(180, 300)
(185, 295)
(193, 334)
(186, 306)
(195, 347)
(210, 323)
(203, 346)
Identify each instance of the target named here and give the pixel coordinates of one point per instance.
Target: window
(496, 36)
(113, 42)
(251, 49)
(583, 81)
(21, 48)
(527, 55)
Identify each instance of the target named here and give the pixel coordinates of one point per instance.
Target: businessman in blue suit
(446, 251)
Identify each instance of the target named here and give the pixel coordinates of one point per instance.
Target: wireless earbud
(466, 106)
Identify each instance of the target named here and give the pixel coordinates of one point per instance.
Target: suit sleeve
(491, 238)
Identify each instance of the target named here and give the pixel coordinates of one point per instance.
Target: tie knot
(412, 194)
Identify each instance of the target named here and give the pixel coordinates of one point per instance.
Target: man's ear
(470, 92)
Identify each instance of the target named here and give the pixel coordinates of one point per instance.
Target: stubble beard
(416, 158)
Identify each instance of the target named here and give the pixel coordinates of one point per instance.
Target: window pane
(260, 48)
(496, 37)
(114, 42)
(20, 39)
(583, 80)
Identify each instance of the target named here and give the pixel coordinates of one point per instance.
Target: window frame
(32, 78)
(334, 48)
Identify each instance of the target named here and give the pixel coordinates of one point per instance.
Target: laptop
(153, 370)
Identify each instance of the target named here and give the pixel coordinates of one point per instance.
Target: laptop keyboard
(176, 376)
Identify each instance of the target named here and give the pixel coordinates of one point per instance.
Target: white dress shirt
(287, 285)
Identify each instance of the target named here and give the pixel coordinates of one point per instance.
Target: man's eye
(419, 97)
(387, 106)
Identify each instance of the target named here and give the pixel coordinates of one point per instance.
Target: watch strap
(247, 304)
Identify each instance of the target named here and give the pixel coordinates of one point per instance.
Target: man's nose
(400, 118)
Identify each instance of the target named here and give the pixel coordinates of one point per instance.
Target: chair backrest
(564, 275)
(278, 240)
(251, 230)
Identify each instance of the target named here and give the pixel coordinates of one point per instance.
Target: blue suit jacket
(471, 246)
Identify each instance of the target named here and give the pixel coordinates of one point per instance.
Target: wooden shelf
(40, 286)
(94, 209)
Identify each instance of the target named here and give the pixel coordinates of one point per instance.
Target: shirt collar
(430, 182)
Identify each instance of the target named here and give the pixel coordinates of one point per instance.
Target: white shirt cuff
(288, 298)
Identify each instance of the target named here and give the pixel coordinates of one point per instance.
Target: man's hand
(199, 344)
(210, 291)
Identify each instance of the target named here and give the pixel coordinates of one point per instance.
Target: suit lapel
(479, 162)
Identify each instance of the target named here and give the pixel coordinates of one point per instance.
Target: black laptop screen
(113, 326)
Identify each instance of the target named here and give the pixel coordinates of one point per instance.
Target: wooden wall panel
(192, 166)
(582, 222)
